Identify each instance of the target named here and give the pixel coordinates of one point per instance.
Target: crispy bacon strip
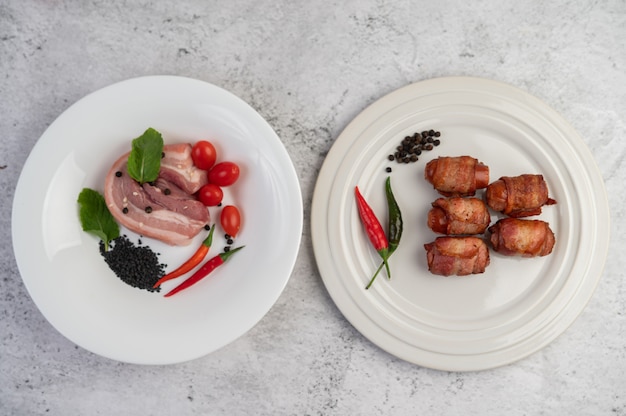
(459, 256)
(518, 196)
(457, 176)
(458, 216)
(521, 237)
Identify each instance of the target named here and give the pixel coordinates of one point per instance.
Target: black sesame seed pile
(412, 147)
(135, 265)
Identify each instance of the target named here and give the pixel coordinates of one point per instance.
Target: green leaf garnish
(144, 161)
(96, 218)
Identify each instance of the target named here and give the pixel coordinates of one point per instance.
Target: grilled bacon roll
(457, 176)
(458, 216)
(459, 256)
(522, 237)
(518, 196)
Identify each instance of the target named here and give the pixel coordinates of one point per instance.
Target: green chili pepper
(395, 218)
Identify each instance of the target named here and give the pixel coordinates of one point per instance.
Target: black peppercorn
(411, 146)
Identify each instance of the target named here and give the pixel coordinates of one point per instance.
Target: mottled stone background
(309, 68)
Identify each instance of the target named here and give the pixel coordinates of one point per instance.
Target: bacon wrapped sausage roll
(458, 216)
(518, 196)
(457, 176)
(520, 237)
(459, 256)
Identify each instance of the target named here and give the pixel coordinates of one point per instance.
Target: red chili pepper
(206, 268)
(374, 231)
(193, 261)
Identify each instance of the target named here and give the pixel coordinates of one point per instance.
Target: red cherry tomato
(230, 219)
(210, 195)
(203, 155)
(224, 174)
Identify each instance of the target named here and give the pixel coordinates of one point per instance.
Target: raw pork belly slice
(165, 209)
(177, 167)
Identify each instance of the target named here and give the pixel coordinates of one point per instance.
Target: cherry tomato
(230, 219)
(203, 155)
(224, 174)
(210, 195)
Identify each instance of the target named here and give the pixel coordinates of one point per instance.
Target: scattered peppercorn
(125, 210)
(207, 227)
(148, 210)
(167, 191)
(388, 169)
(411, 147)
(118, 174)
(136, 266)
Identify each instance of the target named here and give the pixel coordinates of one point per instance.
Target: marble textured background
(309, 68)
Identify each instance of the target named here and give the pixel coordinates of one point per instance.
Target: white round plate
(61, 265)
(459, 323)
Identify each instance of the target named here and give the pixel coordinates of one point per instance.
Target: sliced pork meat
(177, 167)
(166, 209)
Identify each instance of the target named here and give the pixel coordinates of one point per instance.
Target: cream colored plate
(459, 323)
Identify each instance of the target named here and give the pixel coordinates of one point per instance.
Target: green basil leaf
(96, 218)
(144, 161)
